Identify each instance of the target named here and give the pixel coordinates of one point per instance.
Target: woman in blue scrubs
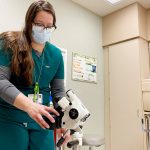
(30, 69)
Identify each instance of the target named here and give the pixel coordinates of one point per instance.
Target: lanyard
(36, 87)
(36, 92)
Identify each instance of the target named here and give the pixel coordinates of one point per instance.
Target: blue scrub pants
(25, 136)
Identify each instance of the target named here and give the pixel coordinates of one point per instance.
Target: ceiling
(102, 7)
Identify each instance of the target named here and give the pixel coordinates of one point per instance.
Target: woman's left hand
(60, 133)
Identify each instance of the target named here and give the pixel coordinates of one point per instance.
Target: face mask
(39, 35)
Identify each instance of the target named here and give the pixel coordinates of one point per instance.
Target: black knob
(73, 113)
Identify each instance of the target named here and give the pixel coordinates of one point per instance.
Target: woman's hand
(34, 110)
(60, 133)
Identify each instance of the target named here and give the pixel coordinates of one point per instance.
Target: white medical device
(73, 114)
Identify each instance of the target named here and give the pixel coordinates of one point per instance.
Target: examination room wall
(79, 30)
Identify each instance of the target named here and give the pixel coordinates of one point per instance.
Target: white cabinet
(126, 64)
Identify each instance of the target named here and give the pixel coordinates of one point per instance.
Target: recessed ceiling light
(113, 1)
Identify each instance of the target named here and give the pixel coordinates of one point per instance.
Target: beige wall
(148, 24)
(12, 14)
(120, 25)
(107, 98)
(142, 22)
(127, 23)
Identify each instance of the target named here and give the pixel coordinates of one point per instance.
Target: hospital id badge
(37, 98)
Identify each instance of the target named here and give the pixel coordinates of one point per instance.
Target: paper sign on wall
(84, 68)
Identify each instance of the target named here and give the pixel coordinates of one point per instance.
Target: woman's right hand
(36, 111)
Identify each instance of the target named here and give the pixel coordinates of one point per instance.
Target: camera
(73, 113)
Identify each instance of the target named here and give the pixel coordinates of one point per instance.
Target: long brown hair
(20, 42)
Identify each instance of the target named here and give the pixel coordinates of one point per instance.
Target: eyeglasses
(41, 27)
